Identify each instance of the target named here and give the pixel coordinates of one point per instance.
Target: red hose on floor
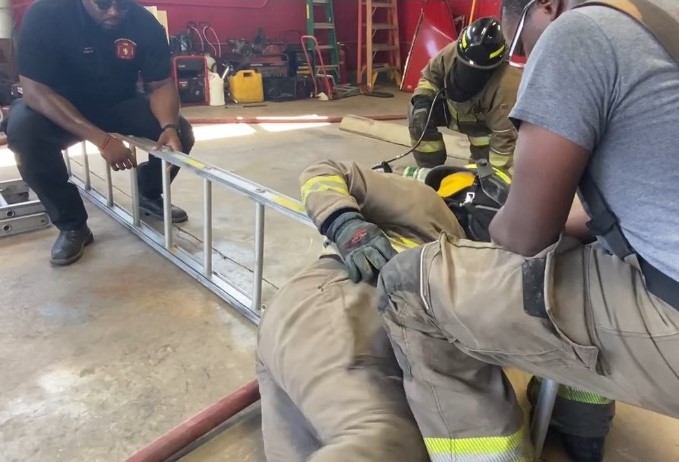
(190, 430)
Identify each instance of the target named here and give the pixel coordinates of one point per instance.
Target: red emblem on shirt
(125, 49)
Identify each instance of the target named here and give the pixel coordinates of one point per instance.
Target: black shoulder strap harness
(665, 28)
(662, 20)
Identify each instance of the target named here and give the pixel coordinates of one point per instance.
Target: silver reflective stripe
(516, 455)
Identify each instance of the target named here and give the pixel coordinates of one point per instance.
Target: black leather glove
(363, 246)
(418, 119)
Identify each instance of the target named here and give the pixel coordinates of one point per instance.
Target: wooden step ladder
(379, 51)
(320, 22)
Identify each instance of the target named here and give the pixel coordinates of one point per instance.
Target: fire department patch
(125, 49)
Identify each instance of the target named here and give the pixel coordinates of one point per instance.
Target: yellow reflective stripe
(289, 204)
(497, 160)
(452, 110)
(506, 178)
(479, 141)
(425, 84)
(580, 396)
(493, 447)
(334, 183)
(503, 176)
(431, 146)
(401, 243)
(497, 53)
(464, 41)
(194, 163)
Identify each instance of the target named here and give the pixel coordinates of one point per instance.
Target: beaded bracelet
(106, 141)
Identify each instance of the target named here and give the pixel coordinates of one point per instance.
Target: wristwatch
(175, 126)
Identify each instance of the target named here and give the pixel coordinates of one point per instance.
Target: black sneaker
(70, 245)
(154, 208)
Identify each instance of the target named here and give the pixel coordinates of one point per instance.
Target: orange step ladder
(378, 42)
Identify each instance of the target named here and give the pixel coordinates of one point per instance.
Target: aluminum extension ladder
(248, 303)
(18, 213)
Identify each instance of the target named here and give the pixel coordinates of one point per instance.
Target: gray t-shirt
(597, 78)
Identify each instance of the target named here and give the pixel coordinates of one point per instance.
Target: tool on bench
(18, 213)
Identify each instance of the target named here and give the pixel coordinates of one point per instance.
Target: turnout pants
(37, 143)
(331, 390)
(456, 311)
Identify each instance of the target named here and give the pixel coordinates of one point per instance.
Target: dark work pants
(37, 143)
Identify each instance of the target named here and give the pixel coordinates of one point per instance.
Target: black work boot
(584, 449)
(571, 418)
(70, 245)
(154, 208)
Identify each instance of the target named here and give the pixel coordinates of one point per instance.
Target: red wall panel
(286, 19)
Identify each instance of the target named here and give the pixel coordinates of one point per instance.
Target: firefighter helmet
(474, 193)
(481, 44)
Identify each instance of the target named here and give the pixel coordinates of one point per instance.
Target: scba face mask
(465, 82)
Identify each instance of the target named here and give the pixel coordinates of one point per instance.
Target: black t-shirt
(60, 46)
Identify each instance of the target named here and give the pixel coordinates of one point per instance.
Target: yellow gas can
(247, 87)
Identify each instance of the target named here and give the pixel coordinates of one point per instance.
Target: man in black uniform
(79, 63)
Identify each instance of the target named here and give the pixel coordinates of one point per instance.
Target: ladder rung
(383, 26)
(327, 66)
(384, 47)
(380, 4)
(324, 25)
(325, 47)
(320, 2)
(383, 67)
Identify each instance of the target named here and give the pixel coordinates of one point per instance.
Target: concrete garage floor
(100, 358)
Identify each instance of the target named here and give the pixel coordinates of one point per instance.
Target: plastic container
(247, 87)
(216, 90)
(211, 63)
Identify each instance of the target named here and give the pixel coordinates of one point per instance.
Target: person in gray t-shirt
(602, 84)
(597, 81)
(599, 99)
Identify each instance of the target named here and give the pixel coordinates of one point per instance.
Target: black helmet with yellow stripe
(474, 193)
(481, 44)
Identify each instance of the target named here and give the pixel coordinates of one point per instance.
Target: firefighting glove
(419, 116)
(364, 248)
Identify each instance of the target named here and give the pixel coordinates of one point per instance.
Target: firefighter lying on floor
(331, 387)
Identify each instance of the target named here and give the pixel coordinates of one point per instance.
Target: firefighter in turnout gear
(330, 384)
(469, 87)
(584, 294)
(329, 309)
